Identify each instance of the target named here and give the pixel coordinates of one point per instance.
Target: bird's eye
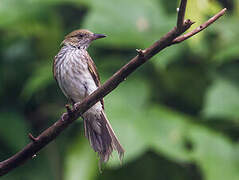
(80, 35)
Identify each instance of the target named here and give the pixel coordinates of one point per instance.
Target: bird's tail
(101, 135)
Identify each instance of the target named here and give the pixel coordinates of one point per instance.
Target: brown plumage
(77, 76)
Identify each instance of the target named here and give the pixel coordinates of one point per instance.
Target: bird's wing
(94, 73)
(54, 69)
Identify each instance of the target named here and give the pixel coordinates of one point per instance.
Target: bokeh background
(177, 116)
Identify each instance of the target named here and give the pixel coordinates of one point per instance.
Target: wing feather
(54, 69)
(94, 73)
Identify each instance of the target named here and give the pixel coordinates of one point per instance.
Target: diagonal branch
(172, 37)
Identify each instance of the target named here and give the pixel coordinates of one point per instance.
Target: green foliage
(39, 80)
(145, 17)
(80, 161)
(12, 122)
(222, 100)
(177, 116)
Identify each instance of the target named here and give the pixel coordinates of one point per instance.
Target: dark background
(177, 116)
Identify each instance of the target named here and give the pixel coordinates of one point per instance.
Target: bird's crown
(79, 33)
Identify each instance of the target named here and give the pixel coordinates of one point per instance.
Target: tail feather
(116, 144)
(101, 135)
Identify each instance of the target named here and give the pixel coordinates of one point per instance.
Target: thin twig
(181, 14)
(67, 118)
(200, 28)
(32, 137)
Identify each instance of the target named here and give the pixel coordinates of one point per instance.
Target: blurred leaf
(185, 84)
(31, 169)
(24, 11)
(179, 138)
(140, 24)
(17, 10)
(38, 81)
(236, 7)
(227, 43)
(17, 51)
(216, 155)
(168, 132)
(167, 56)
(81, 161)
(228, 54)
(222, 100)
(125, 110)
(13, 130)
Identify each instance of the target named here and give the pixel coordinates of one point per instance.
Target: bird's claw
(69, 110)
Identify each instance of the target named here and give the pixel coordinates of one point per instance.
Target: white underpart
(83, 84)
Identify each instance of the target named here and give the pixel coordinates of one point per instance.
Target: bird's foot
(69, 110)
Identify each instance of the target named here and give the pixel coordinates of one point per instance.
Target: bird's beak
(98, 36)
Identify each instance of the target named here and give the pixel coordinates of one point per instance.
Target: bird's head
(81, 38)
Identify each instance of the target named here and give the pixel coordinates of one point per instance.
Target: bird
(76, 75)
